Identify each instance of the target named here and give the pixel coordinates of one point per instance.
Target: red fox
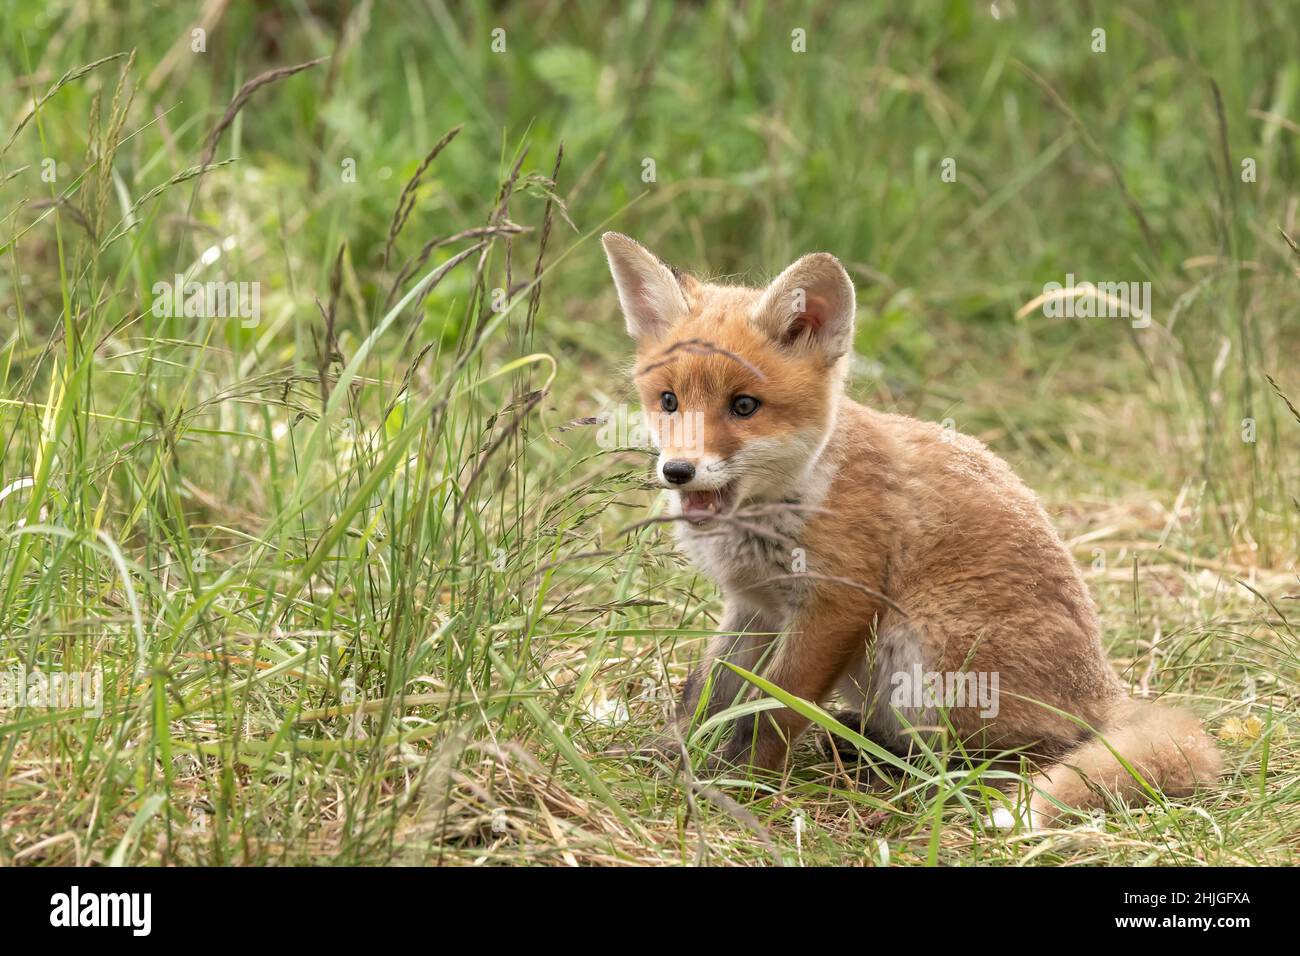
(856, 549)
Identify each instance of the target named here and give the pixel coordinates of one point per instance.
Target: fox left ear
(811, 301)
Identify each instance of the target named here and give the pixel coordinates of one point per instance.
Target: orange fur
(873, 543)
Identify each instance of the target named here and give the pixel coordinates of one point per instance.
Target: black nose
(679, 472)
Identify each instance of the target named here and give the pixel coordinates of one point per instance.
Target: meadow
(362, 564)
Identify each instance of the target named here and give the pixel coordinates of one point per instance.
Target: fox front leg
(744, 638)
(808, 664)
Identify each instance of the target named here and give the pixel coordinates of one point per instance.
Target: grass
(356, 576)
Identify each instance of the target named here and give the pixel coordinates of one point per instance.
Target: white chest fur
(755, 555)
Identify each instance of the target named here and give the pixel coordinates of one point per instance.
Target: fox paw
(829, 745)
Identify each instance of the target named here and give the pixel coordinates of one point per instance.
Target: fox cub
(853, 546)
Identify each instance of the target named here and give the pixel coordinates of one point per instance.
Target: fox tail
(1167, 747)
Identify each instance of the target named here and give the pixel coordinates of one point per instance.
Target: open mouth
(701, 506)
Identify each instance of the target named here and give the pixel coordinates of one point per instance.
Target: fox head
(739, 385)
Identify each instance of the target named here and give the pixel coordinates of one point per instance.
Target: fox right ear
(812, 301)
(648, 291)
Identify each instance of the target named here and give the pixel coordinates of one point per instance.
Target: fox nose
(678, 471)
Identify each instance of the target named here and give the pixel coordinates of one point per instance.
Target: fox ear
(648, 290)
(811, 301)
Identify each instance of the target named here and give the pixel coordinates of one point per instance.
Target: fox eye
(668, 402)
(744, 405)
